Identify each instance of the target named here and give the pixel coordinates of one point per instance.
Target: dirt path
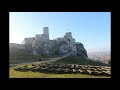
(50, 60)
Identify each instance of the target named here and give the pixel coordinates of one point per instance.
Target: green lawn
(29, 74)
(79, 60)
(18, 58)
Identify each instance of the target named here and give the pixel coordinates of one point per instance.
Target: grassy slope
(16, 74)
(21, 56)
(79, 60)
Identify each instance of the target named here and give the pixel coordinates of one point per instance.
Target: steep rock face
(53, 48)
(81, 51)
(58, 48)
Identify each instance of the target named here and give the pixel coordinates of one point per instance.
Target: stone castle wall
(44, 38)
(41, 44)
(15, 45)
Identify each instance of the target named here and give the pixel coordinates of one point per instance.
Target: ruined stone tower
(46, 32)
(70, 41)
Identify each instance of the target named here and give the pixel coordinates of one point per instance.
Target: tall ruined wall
(28, 40)
(14, 45)
(70, 41)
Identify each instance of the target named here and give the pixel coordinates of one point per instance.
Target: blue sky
(93, 29)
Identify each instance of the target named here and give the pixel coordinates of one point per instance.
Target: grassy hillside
(21, 56)
(67, 60)
(79, 60)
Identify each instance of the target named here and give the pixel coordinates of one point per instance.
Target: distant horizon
(100, 51)
(92, 29)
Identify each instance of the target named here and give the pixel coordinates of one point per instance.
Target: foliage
(21, 56)
(79, 60)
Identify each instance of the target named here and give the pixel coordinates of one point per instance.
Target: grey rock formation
(81, 51)
(67, 68)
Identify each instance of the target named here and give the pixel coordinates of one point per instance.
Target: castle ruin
(43, 40)
(42, 45)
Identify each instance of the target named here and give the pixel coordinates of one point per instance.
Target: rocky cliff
(55, 48)
(60, 48)
(81, 51)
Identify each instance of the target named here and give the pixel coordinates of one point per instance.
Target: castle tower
(70, 41)
(46, 32)
(69, 34)
(68, 38)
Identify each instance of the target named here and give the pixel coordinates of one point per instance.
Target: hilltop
(80, 60)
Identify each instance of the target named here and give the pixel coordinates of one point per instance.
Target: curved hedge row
(67, 68)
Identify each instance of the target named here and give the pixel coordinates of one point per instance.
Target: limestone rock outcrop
(67, 69)
(81, 51)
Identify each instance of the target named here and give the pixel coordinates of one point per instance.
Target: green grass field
(19, 58)
(79, 60)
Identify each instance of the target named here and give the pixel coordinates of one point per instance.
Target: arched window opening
(68, 40)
